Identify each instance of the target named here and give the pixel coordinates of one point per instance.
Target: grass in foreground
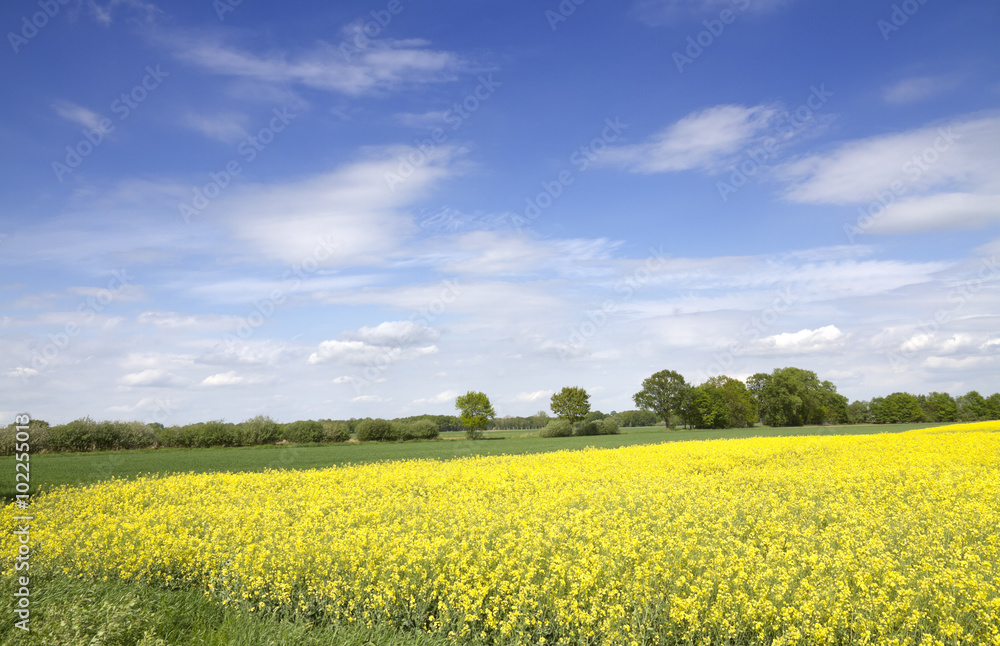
(67, 612)
(887, 539)
(53, 469)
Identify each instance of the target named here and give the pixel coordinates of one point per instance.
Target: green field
(53, 469)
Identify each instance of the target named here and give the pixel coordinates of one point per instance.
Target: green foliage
(423, 429)
(663, 392)
(85, 434)
(993, 406)
(795, 397)
(939, 407)
(972, 407)
(335, 431)
(593, 416)
(897, 408)
(634, 418)
(375, 430)
(571, 404)
(477, 411)
(303, 431)
(607, 426)
(215, 433)
(586, 428)
(257, 430)
(557, 428)
(859, 412)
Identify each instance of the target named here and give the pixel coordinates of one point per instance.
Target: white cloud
(230, 378)
(942, 211)
(383, 65)
(532, 396)
(803, 341)
(946, 157)
(440, 398)
(117, 293)
(354, 215)
(395, 333)
(702, 140)
(918, 88)
(154, 377)
(361, 353)
(227, 127)
(434, 118)
(175, 320)
(662, 12)
(79, 115)
(104, 14)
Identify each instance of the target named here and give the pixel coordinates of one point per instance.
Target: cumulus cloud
(361, 353)
(803, 341)
(395, 333)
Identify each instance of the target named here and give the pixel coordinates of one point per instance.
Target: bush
(169, 436)
(587, 428)
(257, 430)
(302, 431)
(607, 426)
(133, 435)
(215, 433)
(336, 431)
(39, 440)
(421, 429)
(375, 430)
(75, 436)
(557, 428)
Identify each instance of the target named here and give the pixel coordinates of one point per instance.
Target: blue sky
(215, 210)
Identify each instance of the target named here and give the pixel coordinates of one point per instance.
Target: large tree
(794, 397)
(663, 393)
(972, 407)
(571, 404)
(477, 411)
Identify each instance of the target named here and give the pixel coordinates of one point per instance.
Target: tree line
(785, 397)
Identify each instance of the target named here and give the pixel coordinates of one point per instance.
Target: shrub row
(381, 430)
(85, 434)
(562, 428)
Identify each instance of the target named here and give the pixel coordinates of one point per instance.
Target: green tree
(972, 407)
(477, 411)
(756, 384)
(794, 397)
(663, 393)
(571, 404)
(897, 408)
(938, 407)
(859, 412)
(993, 406)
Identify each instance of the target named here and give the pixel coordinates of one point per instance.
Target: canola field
(878, 539)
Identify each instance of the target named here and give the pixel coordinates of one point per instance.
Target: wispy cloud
(384, 65)
(656, 13)
(78, 114)
(943, 176)
(703, 140)
(918, 88)
(227, 127)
